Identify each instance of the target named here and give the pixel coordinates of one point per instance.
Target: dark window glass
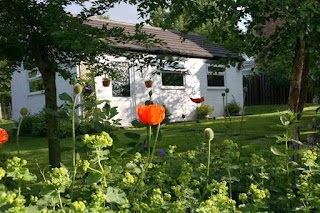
(172, 79)
(121, 86)
(215, 80)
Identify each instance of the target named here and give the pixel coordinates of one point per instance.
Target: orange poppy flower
(3, 136)
(151, 114)
(197, 100)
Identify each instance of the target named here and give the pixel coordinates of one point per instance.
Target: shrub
(204, 110)
(232, 108)
(35, 125)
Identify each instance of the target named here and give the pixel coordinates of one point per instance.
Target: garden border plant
(203, 180)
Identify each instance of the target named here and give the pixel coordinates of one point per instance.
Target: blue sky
(121, 12)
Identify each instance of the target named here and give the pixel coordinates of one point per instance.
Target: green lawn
(255, 134)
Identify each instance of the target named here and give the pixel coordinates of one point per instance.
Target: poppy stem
(154, 144)
(149, 158)
(149, 140)
(18, 133)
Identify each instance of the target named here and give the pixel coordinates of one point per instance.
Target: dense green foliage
(233, 108)
(203, 111)
(111, 179)
(5, 77)
(42, 35)
(283, 35)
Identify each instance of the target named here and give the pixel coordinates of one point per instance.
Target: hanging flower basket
(197, 100)
(148, 83)
(106, 82)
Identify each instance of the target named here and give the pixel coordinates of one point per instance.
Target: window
(35, 81)
(172, 78)
(216, 76)
(121, 85)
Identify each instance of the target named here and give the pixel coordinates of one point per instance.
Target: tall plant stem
(209, 156)
(150, 156)
(149, 140)
(74, 144)
(230, 185)
(74, 131)
(17, 136)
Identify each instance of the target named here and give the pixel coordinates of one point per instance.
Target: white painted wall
(35, 102)
(176, 100)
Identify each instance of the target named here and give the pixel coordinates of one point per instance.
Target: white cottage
(173, 88)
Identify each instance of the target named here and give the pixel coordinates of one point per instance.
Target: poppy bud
(150, 93)
(77, 89)
(148, 102)
(208, 133)
(23, 111)
(227, 90)
(223, 94)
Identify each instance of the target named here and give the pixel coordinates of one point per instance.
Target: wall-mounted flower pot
(106, 82)
(148, 84)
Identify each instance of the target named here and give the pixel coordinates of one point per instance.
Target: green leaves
(116, 195)
(93, 177)
(65, 97)
(275, 151)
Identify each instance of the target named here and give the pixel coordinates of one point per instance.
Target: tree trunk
(304, 84)
(49, 79)
(295, 86)
(47, 70)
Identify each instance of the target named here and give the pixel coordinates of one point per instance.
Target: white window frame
(36, 78)
(173, 87)
(217, 74)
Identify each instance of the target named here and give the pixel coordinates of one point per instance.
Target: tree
(5, 77)
(273, 28)
(41, 34)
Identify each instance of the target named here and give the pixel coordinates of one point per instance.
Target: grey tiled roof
(192, 45)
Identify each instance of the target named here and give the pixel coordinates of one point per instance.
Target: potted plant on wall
(105, 81)
(148, 83)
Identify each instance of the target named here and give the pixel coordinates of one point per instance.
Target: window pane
(172, 79)
(215, 80)
(121, 86)
(36, 85)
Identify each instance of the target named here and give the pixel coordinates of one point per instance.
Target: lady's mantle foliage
(94, 141)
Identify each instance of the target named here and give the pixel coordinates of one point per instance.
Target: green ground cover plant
(238, 173)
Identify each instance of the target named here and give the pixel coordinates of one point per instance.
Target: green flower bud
(208, 133)
(24, 111)
(77, 89)
(148, 102)
(150, 93)
(227, 90)
(223, 94)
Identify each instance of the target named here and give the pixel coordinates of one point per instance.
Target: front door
(122, 92)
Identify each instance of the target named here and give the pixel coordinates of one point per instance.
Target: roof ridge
(96, 18)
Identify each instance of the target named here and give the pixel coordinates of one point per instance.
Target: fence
(262, 92)
(5, 112)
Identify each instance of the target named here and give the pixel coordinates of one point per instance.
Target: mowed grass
(254, 133)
